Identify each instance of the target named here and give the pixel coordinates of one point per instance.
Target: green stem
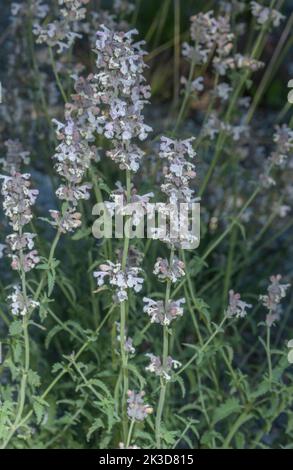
(239, 422)
(268, 351)
(130, 433)
(56, 74)
(203, 348)
(124, 356)
(164, 362)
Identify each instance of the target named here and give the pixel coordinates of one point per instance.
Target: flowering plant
(181, 339)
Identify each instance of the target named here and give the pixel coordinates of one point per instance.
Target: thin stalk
(164, 363)
(56, 74)
(130, 433)
(268, 351)
(238, 423)
(176, 52)
(186, 94)
(124, 356)
(270, 71)
(203, 348)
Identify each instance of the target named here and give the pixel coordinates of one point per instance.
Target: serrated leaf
(34, 378)
(39, 407)
(15, 328)
(97, 424)
(232, 405)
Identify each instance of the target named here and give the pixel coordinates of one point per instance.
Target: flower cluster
(271, 301)
(283, 138)
(196, 85)
(120, 279)
(137, 204)
(161, 313)
(63, 31)
(212, 39)
(137, 409)
(73, 156)
(178, 171)
(76, 150)
(21, 304)
(264, 14)
(123, 94)
(214, 126)
(223, 91)
(35, 8)
(159, 369)
(203, 30)
(237, 307)
(238, 62)
(18, 199)
(16, 156)
(172, 272)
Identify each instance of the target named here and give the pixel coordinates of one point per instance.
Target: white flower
(158, 369)
(119, 279)
(21, 305)
(236, 306)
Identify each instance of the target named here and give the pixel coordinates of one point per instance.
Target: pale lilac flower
(196, 85)
(25, 262)
(68, 222)
(158, 369)
(166, 272)
(18, 242)
(271, 301)
(63, 31)
(223, 91)
(137, 409)
(178, 171)
(203, 29)
(283, 138)
(18, 199)
(119, 279)
(265, 14)
(159, 313)
(20, 304)
(281, 209)
(122, 92)
(237, 307)
(16, 156)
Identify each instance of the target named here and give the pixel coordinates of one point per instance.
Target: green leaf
(181, 384)
(39, 407)
(33, 378)
(15, 328)
(51, 281)
(203, 308)
(135, 371)
(232, 405)
(81, 233)
(97, 424)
